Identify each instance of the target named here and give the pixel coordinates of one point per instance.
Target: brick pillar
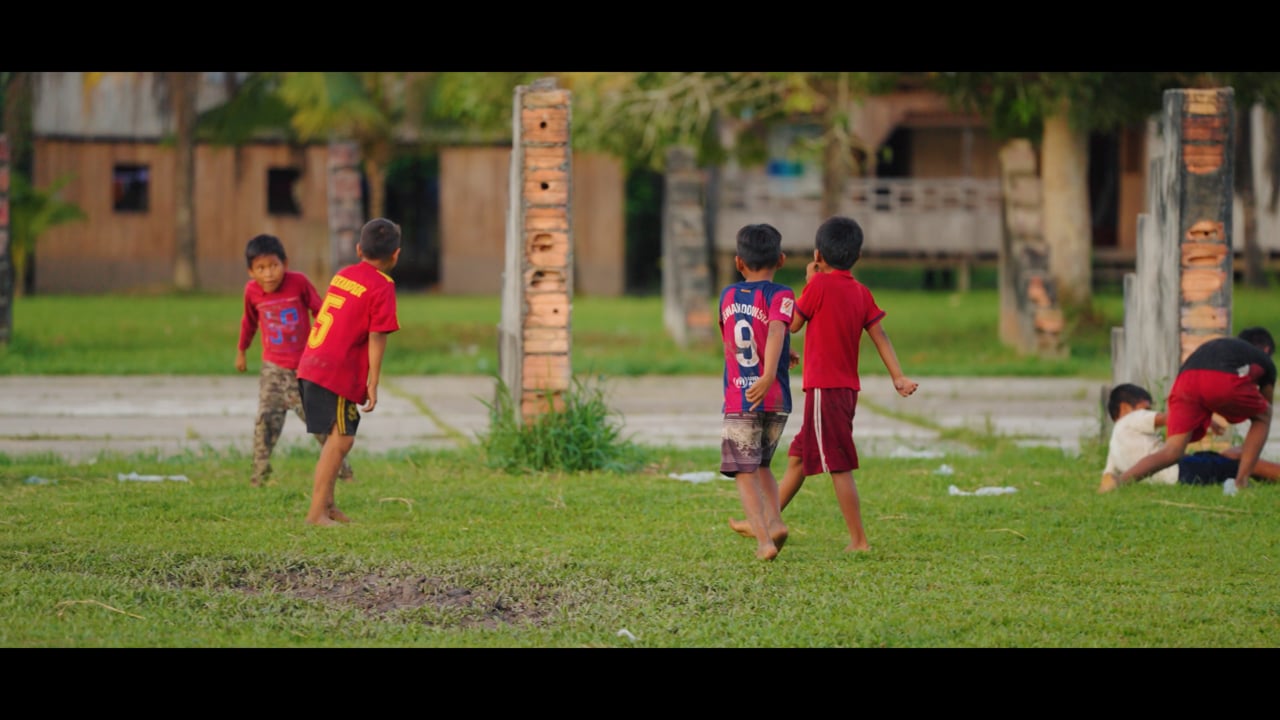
(1179, 294)
(346, 204)
(7, 280)
(534, 337)
(1030, 318)
(686, 270)
(1203, 126)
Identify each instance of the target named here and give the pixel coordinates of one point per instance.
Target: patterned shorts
(748, 440)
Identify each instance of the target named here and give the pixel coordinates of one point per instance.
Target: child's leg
(273, 389)
(753, 504)
(323, 510)
(847, 496)
(792, 479)
(772, 511)
(295, 402)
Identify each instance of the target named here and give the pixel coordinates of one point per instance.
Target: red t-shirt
(361, 299)
(837, 309)
(284, 316)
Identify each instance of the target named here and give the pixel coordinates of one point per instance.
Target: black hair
(263, 245)
(1259, 338)
(839, 239)
(1126, 393)
(379, 238)
(759, 246)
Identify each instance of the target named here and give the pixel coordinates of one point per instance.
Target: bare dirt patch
(380, 595)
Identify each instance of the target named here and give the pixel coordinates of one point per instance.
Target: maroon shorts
(1198, 394)
(825, 440)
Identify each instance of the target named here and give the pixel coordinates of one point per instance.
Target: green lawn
(443, 553)
(934, 333)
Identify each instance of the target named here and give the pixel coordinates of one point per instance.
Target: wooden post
(7, 281)
(1030, 319)
(1180, 293)
(534, 337)
(686, 270)
(346, 204)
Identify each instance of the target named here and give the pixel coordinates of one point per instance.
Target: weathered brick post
(1180, 293)
(686, 269)
(537, 287)
(7, 280)
(346, 204)
(1030, 319)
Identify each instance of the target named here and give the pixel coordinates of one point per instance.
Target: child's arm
(772, 356)
(248, 327)
(377, 346)
(903, 384)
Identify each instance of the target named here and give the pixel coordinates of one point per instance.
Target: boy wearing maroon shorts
(1233, 377)
(837, 309)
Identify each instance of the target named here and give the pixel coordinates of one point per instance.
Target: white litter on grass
(944, 469)
(37, 480)
(953, 490)
(697, 477)
(905, 452)
(150, 478)
(1229, 486)
(626, 634)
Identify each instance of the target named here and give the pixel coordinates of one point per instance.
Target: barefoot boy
(342, 362)
(754, 318)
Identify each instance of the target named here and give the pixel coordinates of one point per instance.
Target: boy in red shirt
(342, 362)
(280, 302)
(837, 309)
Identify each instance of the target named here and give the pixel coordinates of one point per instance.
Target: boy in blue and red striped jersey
(754, 318)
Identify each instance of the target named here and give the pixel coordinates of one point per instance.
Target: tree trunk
(17, 129)
(1064, 172)
(1255, 275)
(184, 87)
(833, 175)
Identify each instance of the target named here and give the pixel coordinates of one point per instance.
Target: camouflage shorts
(277, 395)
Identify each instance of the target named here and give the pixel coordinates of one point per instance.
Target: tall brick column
(346, 204)
(7, 281)
(686, 269)
(1179, 295)
(1030, 319)
(537, 287)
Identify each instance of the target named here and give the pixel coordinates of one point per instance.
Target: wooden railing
(956, 218)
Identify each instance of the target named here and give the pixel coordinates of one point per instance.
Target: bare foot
(742, 527)
(336, 514)
(780, 537)
(256, 483)
(1108, 484)
(321, 521)
(862, 547)
(767, 551)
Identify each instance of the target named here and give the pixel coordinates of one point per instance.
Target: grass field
(444, 554)
(447, 552)
(934, 333)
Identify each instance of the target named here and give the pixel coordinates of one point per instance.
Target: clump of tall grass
(582, 436)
